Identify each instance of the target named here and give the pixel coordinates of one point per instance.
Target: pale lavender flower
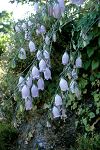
(58, 100)
(34, 91)
(39, 55)
(29, 81)
(25, 92)
(42, 65)
(32, 46)
(63, 85)
(47, 74)
(22, 54)
(28, 103)
(56, 112)
(65, 58)
(78, 62)
(40, 84)
(35, 73)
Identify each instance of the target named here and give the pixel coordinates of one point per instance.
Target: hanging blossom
(58, 100)
(73, 86)
(21, 83)
(25, 92)
(29, 81)
(42, 65)
(39, 55)
(35, 8)
(56, 112)
(17, 28)
(24, 26)
(65, 58)
(78, 62)
(47, 74)
(35, 73)
(30, 23)
(42, 29)
(40, 84)
(46, 54)
(22, 54)
(77, 2)
(63, 85)
(32, 46)
(28, 103)
(34, 91)
(54, 38)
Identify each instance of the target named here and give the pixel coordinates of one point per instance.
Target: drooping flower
(29, 81)
(46, 54)
(56, 112)
(17, 28)
(24, 27)
(63, 85)
(28, 103)
(32, 46)
(21, 83)
(73, 86)
(30, 23)
(77, 2)
(39, 55)
(34, 91)
(22, 54)
(47, 40)
(42, 65)
(56, 11)
(78, 62)
(42, 29)
(54, 37)
(65, 58)
(58, 100)
(25, 92)
(35, 73)
(47, 74)
(62, 6)
(40, 84)
(35, 8)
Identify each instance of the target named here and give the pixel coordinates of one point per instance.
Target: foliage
(8, 135)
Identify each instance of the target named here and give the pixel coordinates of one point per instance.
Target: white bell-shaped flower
(42, 65)
(35, 8)
(29, 81)
(63, 85)
(25, 92)
(47, 40)
(22, 54)
(30, 23)
(34, 91)
(39, 55)
(28, 103)
(24, 27)
(56, 11)
(56, 112)
(58, 100)
(21, 83)
(40, 84)
(78, 62)
(32, 46)
(46, 54)
(77, 2)
(17, 29)
(47, 74)
(65, 58)
(42, 29)
(35, 73)
(74, 74)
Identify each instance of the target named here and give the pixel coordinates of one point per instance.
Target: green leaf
(86, 64)
(90, 51)
(95, 64)
(91, 115)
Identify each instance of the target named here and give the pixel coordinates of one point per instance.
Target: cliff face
(34, 133)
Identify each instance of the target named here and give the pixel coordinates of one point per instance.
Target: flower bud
(47, 74)
(32, 46)
(21, 83)
(78, 63)
(35, 73)
(47, 40)
(42, 65)
(65, 58)
(63, 85)
(29, 82)
(28, 103)
(40, 84)
(46, 54)
(58, 100)
(22, 54)
(35, 8)
(56, 112)
(34, 91)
